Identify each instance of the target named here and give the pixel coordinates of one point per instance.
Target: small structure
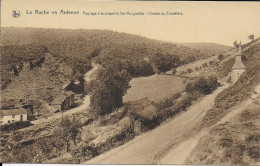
(63, 101)
(13, 115)
(239, 68)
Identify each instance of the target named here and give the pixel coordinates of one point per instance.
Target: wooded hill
(83, 43)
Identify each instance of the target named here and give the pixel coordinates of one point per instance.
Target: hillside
(90, 43)
(208, 48)
(32, 73)
(237, 140)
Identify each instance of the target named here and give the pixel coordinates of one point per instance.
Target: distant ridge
(211, 48)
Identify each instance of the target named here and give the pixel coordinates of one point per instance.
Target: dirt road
(83, 106)
(150, 147)
(179, 154)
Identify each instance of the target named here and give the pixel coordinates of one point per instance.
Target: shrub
(204, 65)
(15, 126)
(166, 102)
(220, 57)
(174, 71)
(189, 70)
(254, 152)
(202, 85)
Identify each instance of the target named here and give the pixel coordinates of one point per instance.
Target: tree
(235, 44)
(109, 88)
(174, 71)
(220, 57)
(69, 129)
(251, 37)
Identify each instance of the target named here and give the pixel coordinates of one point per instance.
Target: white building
(13, 115)
(239, 68)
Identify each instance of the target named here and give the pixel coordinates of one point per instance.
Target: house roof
(61, 97)
(17, 111)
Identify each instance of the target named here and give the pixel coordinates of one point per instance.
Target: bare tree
(235, 44)
(251, 37)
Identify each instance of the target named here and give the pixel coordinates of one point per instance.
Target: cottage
(239, 68)
(13, 115)
(63, 101)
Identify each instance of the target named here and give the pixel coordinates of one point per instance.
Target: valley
(131, 100)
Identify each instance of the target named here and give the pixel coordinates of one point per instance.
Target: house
(239, 68)
(63, 101)
(13, 115)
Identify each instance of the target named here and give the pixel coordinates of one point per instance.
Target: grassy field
(155, 87)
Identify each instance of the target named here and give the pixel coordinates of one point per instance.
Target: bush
(220, 57)
(174, 71)
(189, 70)
(15, 126)
(202, 85)
(204, 65)
(212, 63)
(166, 102)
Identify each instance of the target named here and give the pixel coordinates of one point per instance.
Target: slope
(90, 43)
(237, 140)
(209, 48)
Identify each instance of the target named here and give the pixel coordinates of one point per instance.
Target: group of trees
(135, 66)
(108, 89)
(164, 62)
(202, 85)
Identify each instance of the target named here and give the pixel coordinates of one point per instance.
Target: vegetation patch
(225, 67)
(202, 85)
(231, 146)
(14, 126)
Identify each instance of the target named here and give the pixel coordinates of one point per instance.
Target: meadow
(155, 87)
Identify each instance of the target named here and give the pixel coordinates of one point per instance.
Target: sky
(209, 22)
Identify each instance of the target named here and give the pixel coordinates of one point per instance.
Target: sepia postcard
(130, 82)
